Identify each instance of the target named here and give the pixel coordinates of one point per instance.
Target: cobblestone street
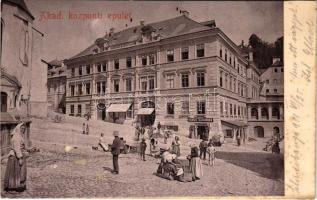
(82, 172)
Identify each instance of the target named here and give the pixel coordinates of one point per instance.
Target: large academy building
(179, 72)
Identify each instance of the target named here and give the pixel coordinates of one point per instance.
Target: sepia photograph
(142, 99)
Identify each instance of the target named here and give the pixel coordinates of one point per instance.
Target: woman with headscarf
(15, 175)
(195, 164)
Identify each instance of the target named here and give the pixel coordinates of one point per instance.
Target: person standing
(195, 164)
(142, 149)
(177, 146)
(159, 127)
(115, 150)
(84, 128)
(203, 148)
(15, 175)
(211, 154)
(87, 128)
(238, 139)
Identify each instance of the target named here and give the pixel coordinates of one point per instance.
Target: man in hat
(115, 150)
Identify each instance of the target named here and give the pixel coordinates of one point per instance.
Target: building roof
(21, 4)
(56, 62)
(165, 29)
(11, 78)
(277, 63)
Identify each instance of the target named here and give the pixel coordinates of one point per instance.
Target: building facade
(266, 115)
(56, 86)
(179, 72)
(23, 75)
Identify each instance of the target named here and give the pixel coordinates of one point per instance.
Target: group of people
(85, 128)
(207, 148)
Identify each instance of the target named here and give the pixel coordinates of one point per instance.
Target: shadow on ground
(266, 165)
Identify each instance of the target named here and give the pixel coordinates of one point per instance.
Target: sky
(66, 37)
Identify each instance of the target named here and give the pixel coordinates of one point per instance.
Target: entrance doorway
(101, 109)
(259, 131)
(4, 101)
(203, 132)
(147, 119)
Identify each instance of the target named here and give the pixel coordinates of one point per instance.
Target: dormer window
(95, 50)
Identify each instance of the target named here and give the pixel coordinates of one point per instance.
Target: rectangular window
(220, 80)
(201, 108)
(143, 83)
(185, 53)
(128, 87)
(234, 85)
(72, 110)
(144, 60)
(230, 83)
(185, 107)
(234, 110)
(87, 106)
(104, 66)
(72, 90)
(129, 62)
(226, 109)
(99, 67)
(80, 89)
(73, 72)
(200, 78)
(116, 85)
(151, 83)
(98, 87)
(87, 88)
(221, 108)
(88, 69)
(103, 88)
(79, 110)
(152, 59)
(226, 55)
(230, 109)
(116, 64)
(80, 71)
(185, 80)
(170, 108)
(239, 111)
(220, 52)
(170, 56)
(170, 81)
(200, 50)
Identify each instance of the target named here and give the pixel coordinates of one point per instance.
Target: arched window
(254, 113)
(264, 113)
(276, 113)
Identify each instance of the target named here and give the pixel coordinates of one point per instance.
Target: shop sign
(200, 119)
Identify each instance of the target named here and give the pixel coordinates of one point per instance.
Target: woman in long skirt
(15, 175)
(195, 164)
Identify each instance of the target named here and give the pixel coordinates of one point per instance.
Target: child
(143, 148)
(84, 129)
(211, 150)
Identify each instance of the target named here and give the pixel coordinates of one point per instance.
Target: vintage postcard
(152, 99)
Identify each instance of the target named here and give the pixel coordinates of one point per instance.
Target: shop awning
(234, 124)
(145, 111)
(119, 107)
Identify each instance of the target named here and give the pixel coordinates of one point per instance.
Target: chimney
(242, 43)
(142, 22)
(111, 31)
(250, 55)
(276, 59)
(185, 13)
